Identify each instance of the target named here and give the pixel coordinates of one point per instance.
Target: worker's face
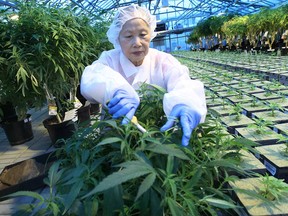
(134, 40)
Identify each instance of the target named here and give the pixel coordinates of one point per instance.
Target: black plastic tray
(46, 160)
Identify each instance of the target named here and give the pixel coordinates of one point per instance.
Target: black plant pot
(63, 130)
(95, 109)
(18, 132)
(26, 175)
(83, 114)
(9, 112)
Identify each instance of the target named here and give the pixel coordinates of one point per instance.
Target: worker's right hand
(189, 119)
(123, 104)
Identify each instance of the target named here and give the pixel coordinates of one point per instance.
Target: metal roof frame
(178, 11)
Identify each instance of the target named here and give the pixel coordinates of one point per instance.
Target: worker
(118, 73)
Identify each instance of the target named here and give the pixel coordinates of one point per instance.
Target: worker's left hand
(189, 119)
(124, 104)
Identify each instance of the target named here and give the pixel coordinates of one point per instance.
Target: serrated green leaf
(118, 178)
(159, 88)
(91, 207)
(113, 200)
(153, 140)
(34, 80)
(54, 174)
(122, 146)
(134, 164)
(171, 150)
(27, 193)
(174, 207)
(96, 163)
(191, 206)
(71, 175)
(84, 156)
(195, 179)
(111, 123)
(223, 204)
(142, 157)
(170, 164)
(223, 163)
(146, 184)
(55, 208)
(71, 197)
(109, 140)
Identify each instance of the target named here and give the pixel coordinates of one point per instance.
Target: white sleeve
(183, 90)
(99, 83)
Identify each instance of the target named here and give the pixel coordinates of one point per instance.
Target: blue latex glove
(189, 119)
(123, 104)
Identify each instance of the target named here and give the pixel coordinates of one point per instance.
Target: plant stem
(58, 118)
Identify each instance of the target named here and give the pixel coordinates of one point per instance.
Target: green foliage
(283, 139)
(51, 202)
(116, 169)
(150, 111)
(208, 27)
(236, 27)
(273, 106)
(274, 21)
(194, 37)
(45, 46)
(271, 20)
(261, 125)
(273, 188)
(236, 111)
(217, 22)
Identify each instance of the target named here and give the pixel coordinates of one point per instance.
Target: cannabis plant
(284, 139)
(273, 106)
(273, 188)
(260, 125)
(256, 103)
(45, 47)
(114, 169)
(236, 111)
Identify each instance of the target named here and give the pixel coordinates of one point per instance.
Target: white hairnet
(127, 13)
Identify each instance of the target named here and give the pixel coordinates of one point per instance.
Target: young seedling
(214, 97)
(255, 102)
(284, 139)
(273, 188)
(252, 87)
(274, 85)
(225, 103)
(230, 91)
(267, 93)
(273, 107)
(283, 97)
(241, 83)
(237, 111)
(260, 125)
(240, 95)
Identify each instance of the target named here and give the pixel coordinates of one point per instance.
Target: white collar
(129, 68)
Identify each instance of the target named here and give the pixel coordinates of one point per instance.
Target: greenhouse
(147, 107)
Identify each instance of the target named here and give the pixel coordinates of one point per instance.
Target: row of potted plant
(243, 106)
(263, 66)
(267, 28)
(251, 107)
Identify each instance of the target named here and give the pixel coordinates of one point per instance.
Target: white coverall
(114, 71)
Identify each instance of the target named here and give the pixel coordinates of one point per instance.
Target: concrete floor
(40, 144)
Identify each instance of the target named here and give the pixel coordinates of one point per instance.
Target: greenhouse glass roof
(186, 12)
